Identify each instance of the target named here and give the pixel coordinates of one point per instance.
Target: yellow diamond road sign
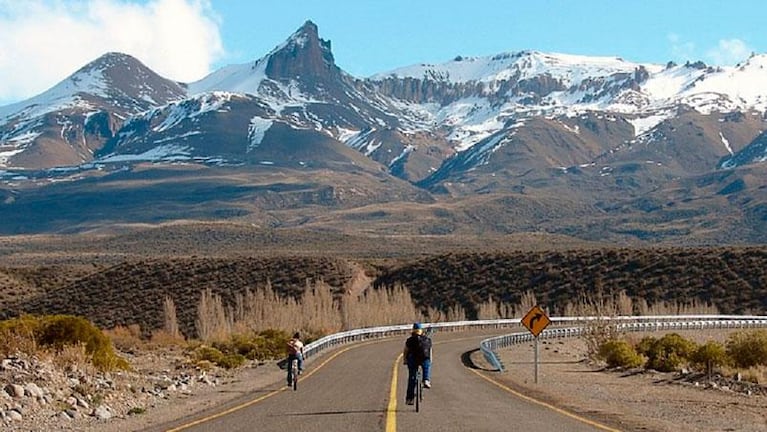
(536, 320)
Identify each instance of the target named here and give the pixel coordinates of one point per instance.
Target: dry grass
(126, 338)
(161, 292)
(72, 356)
(317, 312)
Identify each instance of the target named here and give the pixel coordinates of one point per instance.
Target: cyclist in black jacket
(417, 353)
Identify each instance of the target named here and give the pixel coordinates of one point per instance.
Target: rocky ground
(37, 395)
(637, 400)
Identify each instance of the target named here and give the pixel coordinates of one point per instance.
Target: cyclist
(295, 351)
(417, 353)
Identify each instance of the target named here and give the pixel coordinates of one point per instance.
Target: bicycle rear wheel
(418, 390)
(294, 370)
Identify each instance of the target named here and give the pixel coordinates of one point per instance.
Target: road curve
(349, 389)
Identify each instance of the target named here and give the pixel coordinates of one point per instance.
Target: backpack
(419, 347)
(425, 345)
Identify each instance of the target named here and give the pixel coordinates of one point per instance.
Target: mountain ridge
(532, 126)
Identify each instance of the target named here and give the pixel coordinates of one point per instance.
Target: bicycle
(293, 373)
(419, 388)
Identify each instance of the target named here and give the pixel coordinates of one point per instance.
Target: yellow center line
(544, 404)
(259, 399)
(391, 410)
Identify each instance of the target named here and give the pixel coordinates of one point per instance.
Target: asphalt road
(349, 390)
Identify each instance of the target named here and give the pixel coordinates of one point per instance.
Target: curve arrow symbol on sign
(534, 319)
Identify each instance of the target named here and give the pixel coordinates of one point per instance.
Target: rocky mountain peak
(125, 76)
(304, 55)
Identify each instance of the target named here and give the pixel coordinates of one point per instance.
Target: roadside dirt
(632, 400)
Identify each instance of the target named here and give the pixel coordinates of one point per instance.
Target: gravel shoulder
(632, 400)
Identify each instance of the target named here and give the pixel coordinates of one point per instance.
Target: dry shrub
(71, 356)
(599, 327)
(693, 307)
(58, 333)
(748, 348)
(453, 313)
(264, 308)
(18, 336)
(213, 322)
(526, 302)
(755, 374)
(383, 306)
(165, 339)
(126, 338)
(492, 309)
(318, 312)
(171, 319)
(619, 353)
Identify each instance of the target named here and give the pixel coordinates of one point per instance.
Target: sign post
(536, 320)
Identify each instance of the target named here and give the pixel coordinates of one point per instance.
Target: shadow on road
(469, 363)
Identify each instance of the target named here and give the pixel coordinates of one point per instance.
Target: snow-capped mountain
(584, 146)
(68, 123)
(477, 96)
(424, 123)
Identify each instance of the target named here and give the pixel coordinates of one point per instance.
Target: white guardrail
(623, 324)
(489, 346)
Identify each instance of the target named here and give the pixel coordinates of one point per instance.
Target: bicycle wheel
(294, 370)
(418, 390)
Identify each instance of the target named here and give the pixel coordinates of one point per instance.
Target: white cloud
(681, 51)
(44, 41)
(729, 52)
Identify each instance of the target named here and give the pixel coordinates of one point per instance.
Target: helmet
(417, 328)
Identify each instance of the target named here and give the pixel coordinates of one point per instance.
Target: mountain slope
(65, 125)
(598, 145)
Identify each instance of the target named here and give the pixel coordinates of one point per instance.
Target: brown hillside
(735, 280)
(133, 293)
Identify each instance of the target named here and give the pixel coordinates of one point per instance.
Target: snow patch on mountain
(256, 131)
(590, 84)
(166, 152)
(62, 96)
(406, 151)
(482, 154)
(643, 125)
(743, 86)
(525, 64)
(344, 135)
(242, 78)
(7, 154)
(726, 143)
(180, 111)
(363, 143)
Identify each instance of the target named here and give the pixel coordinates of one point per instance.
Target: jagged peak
(303, 53)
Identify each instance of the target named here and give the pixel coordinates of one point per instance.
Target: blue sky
(44, 41)
(370, 37)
